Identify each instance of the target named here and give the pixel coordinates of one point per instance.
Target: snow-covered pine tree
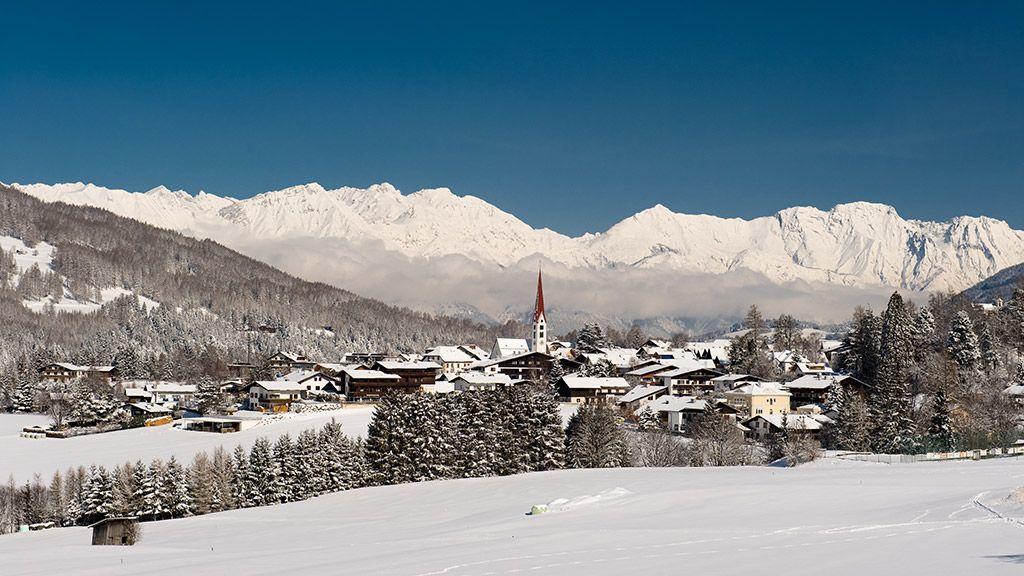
(476, 455)
(142, 481)
(547, 442)
(154, 498)
(262, 476)
(177, 499)
(594, 439)
(97, 495)
(241, 487)
(923, 332)
(940, 430)
(962, 343)
(893, 426)
(58, 504)
(209, 398)
(387, 459)
(286, 470)
(309, 465)
(989, 360)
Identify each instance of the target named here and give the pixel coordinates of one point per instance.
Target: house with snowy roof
(452, 359)
(283, 362)
(814, 388)
(729, 382)
(1016, 393)
(759, 398)
(274, 395)
(475, 381)
(690, 378)
(67, 372)
(641, 394)
(591, 389)
(763, 425)
(412, 375)
(508, 347)
(314, 382)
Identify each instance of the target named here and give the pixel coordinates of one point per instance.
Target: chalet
(591, 390)
(639, 395)
(533, 366)
(413, 375)
(759, 398)
(452, 359)
(1015, 393)
(147, 410)
(508, 347)
(274, 395)
(365, 358)
(649, 371)
(812, 368)
(138, 395)
(689, 380)
(624, 359)
(814, 388)
(363, 384)
(173, 393)
(283, 362)
(729, 382)
(67, 372)
(762, 425)
(678, 413)
(314, 382)
(470, 381)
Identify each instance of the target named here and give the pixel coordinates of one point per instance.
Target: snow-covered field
(23, 457)
(822, 519)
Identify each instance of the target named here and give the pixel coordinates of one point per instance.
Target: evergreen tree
(854, 425)
(940, 431)
(594, 439)
(209, 398)
(962, 343)
(286, 471)
(97, 496)
(242, 488)
(893, 427)
(177, 500)
(262, 475)
(989, 356)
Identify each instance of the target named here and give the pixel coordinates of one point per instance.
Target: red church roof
(538, 308)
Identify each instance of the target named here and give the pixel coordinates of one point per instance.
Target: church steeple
(540, 324)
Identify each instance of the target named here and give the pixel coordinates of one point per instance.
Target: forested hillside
(206, 295)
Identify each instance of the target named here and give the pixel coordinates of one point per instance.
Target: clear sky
(568, 115)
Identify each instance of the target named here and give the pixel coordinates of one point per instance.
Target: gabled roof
(450, 354)
(371, 375)
(81, 368)
(593, 382)
(480, 378)
(675, 404)
(493, 361)
(174, 388)
(762, 389)
(509, 347)
(678, 372)
(400, 365)
(735, 378)
(641, 392)
(794, 421)
(278, 386)
(150, 408)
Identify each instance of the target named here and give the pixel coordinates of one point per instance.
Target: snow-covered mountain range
(851, 244)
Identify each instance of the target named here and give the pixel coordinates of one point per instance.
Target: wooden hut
(118, 531)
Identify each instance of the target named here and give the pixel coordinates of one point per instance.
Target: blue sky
(570, 115)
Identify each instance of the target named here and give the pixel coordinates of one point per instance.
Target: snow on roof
(450, 354)
(640, 392)
(279, 386)
(763, 389)
(593, 382)
(482, 378)
(150, 407)
(1014, 390)
(173, 388)
(371, 375)
(684, 370)
(648, 369)
(794, 421)
(137, 392)
(734, 378)
(813, 368)
(816, 381)
(333, 367)
(675, 404)
(509, 347)
(81, 368)
(398, 365)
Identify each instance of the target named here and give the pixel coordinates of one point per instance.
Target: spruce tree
(962, 344)
(594, 439)
(940, 431)
(242, 487)
(893, 426)
(177, 500)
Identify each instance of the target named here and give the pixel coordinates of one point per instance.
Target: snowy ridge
(856, 244)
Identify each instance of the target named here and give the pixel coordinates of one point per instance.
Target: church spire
(538, 307)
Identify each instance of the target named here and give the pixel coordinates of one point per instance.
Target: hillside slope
(199, 293)
(825, 518)
(999, 285)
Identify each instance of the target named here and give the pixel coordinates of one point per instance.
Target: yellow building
(760, 398)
